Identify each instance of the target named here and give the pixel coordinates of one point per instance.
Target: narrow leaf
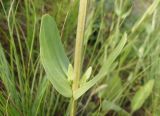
(148, 12)
(104, 70)
(39, 95)
(7, 78)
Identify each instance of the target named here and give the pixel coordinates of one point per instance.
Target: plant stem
(78, 51)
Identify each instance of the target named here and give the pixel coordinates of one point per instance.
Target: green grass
(24, 90)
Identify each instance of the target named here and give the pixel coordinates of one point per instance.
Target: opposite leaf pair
(84, 78)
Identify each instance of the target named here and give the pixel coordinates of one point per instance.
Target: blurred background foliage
(25, 91)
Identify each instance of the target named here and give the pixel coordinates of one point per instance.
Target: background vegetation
(25, 91)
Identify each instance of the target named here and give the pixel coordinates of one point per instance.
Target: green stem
(78, 51)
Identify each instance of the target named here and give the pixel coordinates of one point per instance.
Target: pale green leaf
(39, 95)
(86, 75)
(148, 12)
(114, 86)
(53, 57)
(108, 105)
(70, 73)
(103, 71)
(6, 77)
(141, 95)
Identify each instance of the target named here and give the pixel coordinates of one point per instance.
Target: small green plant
(102, 76)
(56, 63)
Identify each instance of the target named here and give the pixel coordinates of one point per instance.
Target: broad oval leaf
(141, 95)
(53, 57)
(103, 71)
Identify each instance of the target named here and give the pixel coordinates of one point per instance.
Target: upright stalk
(78, 51)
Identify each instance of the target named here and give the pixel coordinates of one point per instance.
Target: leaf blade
(53, 57)
(141, 95)
(104, 70)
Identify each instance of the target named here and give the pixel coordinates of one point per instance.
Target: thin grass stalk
(78, 51)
